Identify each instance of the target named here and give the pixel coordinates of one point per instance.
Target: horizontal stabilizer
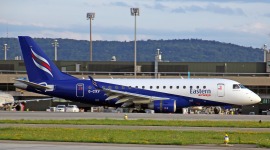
(34, 85)
(35, 100)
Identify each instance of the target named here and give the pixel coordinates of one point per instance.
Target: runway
(40, 115)
(36, 145)
(40, 145)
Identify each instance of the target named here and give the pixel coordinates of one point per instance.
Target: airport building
(254, 75)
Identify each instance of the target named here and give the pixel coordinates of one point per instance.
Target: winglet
(94, 83)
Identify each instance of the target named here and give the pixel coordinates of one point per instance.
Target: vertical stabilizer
(39, 67)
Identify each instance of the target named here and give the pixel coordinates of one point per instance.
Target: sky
(241, 22)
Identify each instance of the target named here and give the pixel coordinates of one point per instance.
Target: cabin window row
(150, 87)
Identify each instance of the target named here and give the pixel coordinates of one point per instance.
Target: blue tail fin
(39, 67)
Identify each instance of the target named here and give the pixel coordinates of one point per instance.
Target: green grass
(141, 122)
(132, 136)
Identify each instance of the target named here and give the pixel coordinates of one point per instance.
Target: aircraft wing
(128, 98)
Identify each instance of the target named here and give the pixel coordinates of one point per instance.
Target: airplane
(160, 95)
(6, 99)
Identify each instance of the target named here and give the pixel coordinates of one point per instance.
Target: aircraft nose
(258, 99)
(255, 98)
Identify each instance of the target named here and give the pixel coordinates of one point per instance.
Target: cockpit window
(242, 86)
(236, 86)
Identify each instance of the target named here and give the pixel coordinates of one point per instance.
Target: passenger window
(164, 87)
(170, 87)
(191, 87)
(157, 87)
(109, 87)
(204, 87)
(151, 87)
(116, 87)
(129, 87)
(177, 87)
(143, 87)
(198, 87)
(184, 87)
(123, 87)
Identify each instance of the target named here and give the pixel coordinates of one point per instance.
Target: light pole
(265, 52)
(55, 44)
(157, 60)
(5, 48)
(90, 16)
(135, 12)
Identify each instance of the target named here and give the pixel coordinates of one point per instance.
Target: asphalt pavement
(40, 145)
(37, 145)
(41, 115)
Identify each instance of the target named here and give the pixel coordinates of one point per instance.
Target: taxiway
(36, 145)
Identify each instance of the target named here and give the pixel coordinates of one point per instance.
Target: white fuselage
(216, 90)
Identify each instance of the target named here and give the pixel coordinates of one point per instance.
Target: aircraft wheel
(217, 110)
(135, 111)
(18, 108)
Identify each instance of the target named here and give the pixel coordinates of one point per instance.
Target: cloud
(210, 8)
(267, 15)
(159, 6)
(32, 24)
(248, 36)
(171, 4)
(120, 4)
(254, 28)
(217, 1)
(59, 34)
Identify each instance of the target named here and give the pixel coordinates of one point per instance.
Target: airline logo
(41, 63)
(201, 92)
(94, 83)
(220, 87)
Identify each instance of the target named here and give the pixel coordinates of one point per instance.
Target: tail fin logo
(41, 63)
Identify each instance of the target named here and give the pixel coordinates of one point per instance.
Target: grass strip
(132, 136)
(142, 122)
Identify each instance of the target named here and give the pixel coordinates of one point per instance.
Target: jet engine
(163, 106)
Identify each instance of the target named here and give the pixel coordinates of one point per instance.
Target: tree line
(176, 50)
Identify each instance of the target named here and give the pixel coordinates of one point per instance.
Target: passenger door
(220, 90)
(80, 90)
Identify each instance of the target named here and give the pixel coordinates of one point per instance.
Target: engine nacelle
(164, 106)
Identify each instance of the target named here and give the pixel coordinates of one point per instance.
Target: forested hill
(182, 50)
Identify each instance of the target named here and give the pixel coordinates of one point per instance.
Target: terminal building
(254, 75)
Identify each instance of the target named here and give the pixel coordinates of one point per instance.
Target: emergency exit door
(220, 90)
(80, 90)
